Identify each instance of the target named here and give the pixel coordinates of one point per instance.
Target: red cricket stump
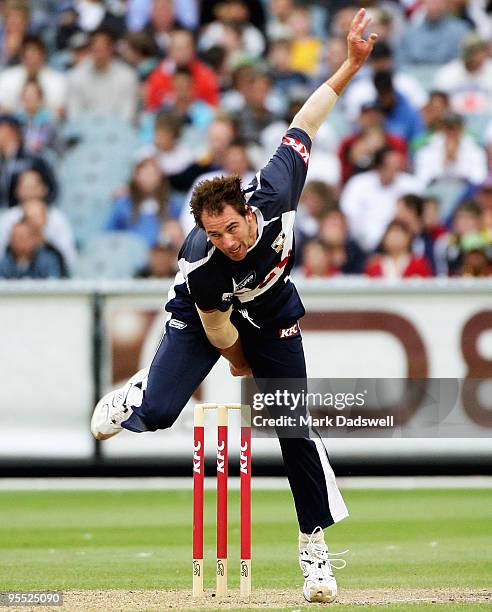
(198, 500)
(222, 486)
(222, 476)
(245, 480)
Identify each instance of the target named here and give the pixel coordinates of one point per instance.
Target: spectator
(146, 206)
(306, 48)
(279, 25)
(162, 263)
(434, 39)
(431, 220)
(433, 114)
(138, 50)
(477, 256)
(235, 13)
(197, 114)
(220, 134)
(15, 27)
(347, 256)
(410, 211)
(396, 260)
(54, 225)
(39, 124)
(256, 116)
(87, 16)
(369, 198)
(316, 199)
(285, 79)
(357, 150)
(400, 117)
(448, 251)
(167, 148)
(468, 80)
(451, 153)
(234, 99)
(33, 66)
(102, 84)
(181, 55)
(28, 257)
(362, 90)
(317, 260)
(14, 160)
(162, 21)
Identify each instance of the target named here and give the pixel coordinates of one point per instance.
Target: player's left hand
(244, 371)
(358, 48)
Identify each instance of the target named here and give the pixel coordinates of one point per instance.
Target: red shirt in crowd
(416, 266)
(160, 85)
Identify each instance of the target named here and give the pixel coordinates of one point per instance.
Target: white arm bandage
(315, 110)
(218, 327)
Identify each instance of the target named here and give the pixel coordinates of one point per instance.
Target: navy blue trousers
(183, 360)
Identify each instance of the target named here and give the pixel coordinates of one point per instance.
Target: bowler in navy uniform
(233, 297)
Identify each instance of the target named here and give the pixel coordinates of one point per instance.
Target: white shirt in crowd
(470, 162)
(53, 84)
(470, 92)
(110, 91)
(370, 206)
(57, 231)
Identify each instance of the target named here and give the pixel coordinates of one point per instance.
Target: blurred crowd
(400, 177)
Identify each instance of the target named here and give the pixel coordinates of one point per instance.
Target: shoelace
(119, 401)
(320, 551)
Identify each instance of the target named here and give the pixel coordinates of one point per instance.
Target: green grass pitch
(408, 539)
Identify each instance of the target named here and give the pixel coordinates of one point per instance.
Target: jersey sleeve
(281, 181)
(209, 291)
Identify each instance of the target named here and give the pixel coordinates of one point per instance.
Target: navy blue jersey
(258, 286)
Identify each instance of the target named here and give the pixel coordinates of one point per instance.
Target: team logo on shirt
(298, 146)
(289, 331)
(249, 278)
(278, 243)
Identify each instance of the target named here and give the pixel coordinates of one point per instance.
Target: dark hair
(437, 93)
(383, 81)
(34, 41)
(161, 194)
(169, 121)
(397, 224)
(212, 195)
(380, 156)
(142, 43)
(413, 202)
(109, 33)
(468, 206)
(183, 71)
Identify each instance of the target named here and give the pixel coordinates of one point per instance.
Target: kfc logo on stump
(298, 146)
(289, 331)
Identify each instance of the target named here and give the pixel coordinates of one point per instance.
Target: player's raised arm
(320, 103)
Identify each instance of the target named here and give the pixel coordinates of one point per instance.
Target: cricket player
(233, 297)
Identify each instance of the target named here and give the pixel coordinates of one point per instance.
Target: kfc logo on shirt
(298, 146)
(289, 331)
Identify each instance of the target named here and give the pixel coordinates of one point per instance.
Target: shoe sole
(101, 436)
(322, 595)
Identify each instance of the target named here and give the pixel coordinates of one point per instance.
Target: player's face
(230, 232)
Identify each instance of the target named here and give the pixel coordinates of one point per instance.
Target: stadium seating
(112, 255)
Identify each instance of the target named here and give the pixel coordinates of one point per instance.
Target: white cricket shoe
(114, 407)
(320, 585)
